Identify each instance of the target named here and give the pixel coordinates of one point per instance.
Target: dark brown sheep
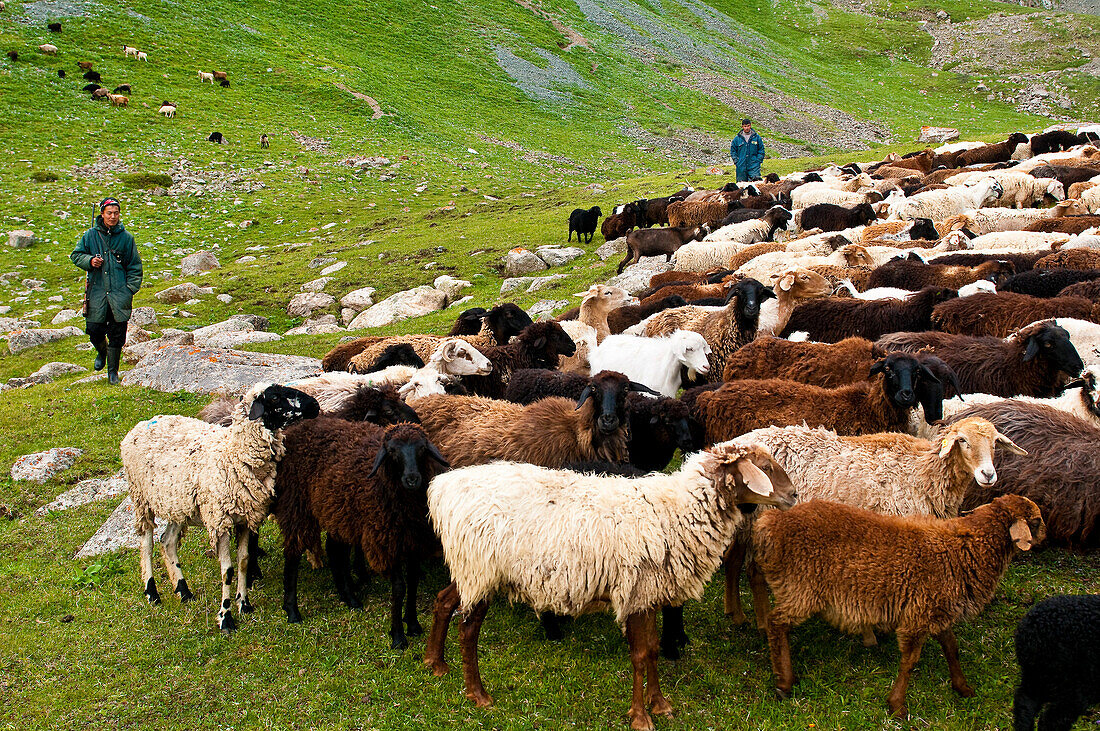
(1065, 224)
(1089, 290)
(538, 346)
(1061, 471)
(622, 221)
(880, 404)
(471, 430)
(830, 217)
(833, 319)
(1047, 282)
(658, 242)
(1067, 174)
(1035, 361)
(914, 575)
(1022, 261)
(914, 275)
(682, 214)
(626, 316)
(1070, 259)
(365, 487)
(1001, 313)
(997, 152)
(820, 364)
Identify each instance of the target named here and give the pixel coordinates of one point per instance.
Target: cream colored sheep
(205, 76)
(809, 194)
(48, 48)
(1020, 241)
(1020, 190)
(1090, 199)
(189, 472)
(129, 51)
(590, 328)
(991, 220)
(940, 204)
(142, 56)
(167, 110)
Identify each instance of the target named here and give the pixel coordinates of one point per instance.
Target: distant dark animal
(100, 93)
(85, 65)
(830, 217)
(1047, 282)
(263, 140)
(122, 89)
(1053, 141)
(61, 73)
(469, 322)
(14, 56)
(584, 222)
(216, 138)
(54, 27)
(92, 76)
(622, 221)
(224, 83)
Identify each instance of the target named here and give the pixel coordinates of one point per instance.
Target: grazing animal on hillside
(264, 141)
(584, 223)
(216, 138)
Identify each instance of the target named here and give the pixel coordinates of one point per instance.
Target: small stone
(937, 134)
(36, 284)
(301, 305)
(41, 466)
(182, 292)
(460, 302)
(225, 298)
(333, 268)
(246, 259)
(614, 247)
(21, 239)
(546, 307)
(556, 256)
(135, 334)
(538, 283)
(347, 315)
(317, 285)
(200, 261)
(322, 325)
(45, 374)
(520, 261)
(321, 261)
(64, 316)
(87, 491)
(981, 88)
(358, 299)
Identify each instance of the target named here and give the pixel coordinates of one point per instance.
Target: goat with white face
(654, 362)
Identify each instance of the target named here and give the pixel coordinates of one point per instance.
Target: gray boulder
(117, 532)
(546, 308)
(87, 491)
(134, 352)
(45, 374)
(400, 306)
(636, 278)
(556, 256)
(143, 316)
(317, 285)
(304, 303)
(200, 261)
(182, 292)
(518, 262)
(450, 286)
(64, 316)
(232, 340)
(41, 466)
(210, 370)
(21, 239)
(21, 340)
(10, 324)
(358, 299)
(528, 284)
(614, 247)
(317, 326)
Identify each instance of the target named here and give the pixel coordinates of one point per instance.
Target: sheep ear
(786, 282)
(1032, 348)
(378, 460)
(642, 388)
(257, 409)
(753, 477)
(449, 351)
(584, 396)
(1021, 535)
(878, 367)
(1010, 445)
(435, 454)
(947, 443)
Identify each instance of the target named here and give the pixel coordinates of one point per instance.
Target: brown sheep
(696, 213)
(621, 318)
(1065, 224)
(1060, 473)
(674, 277)
(921, 162)
(658, 242)
(752, 251)
(833, 319)
(1089, 290)
(1071, 259)
(997, 152)
(820, 364)
(1001, 313)
(836, 275)
(915, 575)
(551, 432)
(1076, 189)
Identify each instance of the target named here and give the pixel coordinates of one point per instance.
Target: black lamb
(584, 222)
(1046, 282)
(833, 319)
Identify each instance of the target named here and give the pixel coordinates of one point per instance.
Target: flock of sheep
(901, 358)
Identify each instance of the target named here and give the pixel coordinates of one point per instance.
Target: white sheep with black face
(189, 472)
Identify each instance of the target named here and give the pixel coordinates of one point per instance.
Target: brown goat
(1001, 313)
(819, 364)
(997, 152)
(917, 576)
(1065, 224)
(658, 242)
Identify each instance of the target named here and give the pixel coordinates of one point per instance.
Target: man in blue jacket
(747, 151)
(107, 252)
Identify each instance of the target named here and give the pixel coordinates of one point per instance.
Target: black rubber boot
(100, 355)
(114, 355)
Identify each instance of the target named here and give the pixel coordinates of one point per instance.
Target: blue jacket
(114, 284)
(747, 156)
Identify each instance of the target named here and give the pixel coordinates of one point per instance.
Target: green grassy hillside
(494, 130)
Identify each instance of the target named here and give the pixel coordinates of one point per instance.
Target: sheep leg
(469, 631)
(254, 551)
(412, 581)
(779, 644)
(151, 593)
(673, 637)
(657, 701)
(398, 641)
(226, 622)
(291, 562)
(551, 625)
(446, 601)
(910, 647)
(338, 560)
(951, 651)
(761, 604)
(1061, 714)
(1024, 710)
(359, 566)
(243, 534)
(622, 264)
(732, 564)
(169, 549)
(639, 657)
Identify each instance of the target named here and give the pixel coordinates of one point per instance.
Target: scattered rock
(304, 303)
(41, 466)
(200, 261)
(937, 134)
(347, 315)
(224, 298)
(528, 284)
(317, 285)
(21, 340)
(521, 261)
(232, 340)
(636, 278)
(317, 326)
(143, 316)
(182, 292)
(45, 374)
(321, 261)
(137, 334)
(460, 302)
(333, 268)
(21, 239)
(612, 248)
(545, 308)
(246, 259)
(87, 491)
(117, 532)
(358, 299)
(64, 316)
(10, 324)
(400, 306)
(36, 284)
(134, 352)
(556, 256)
(715, 170)
(5, 309)
(209, 370)
(450, 286)
(981, 88)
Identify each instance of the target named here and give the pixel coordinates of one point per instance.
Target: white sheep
(957, 147)
(193, 473)
(809, 194)
(1020, 190)
(940, 204)
(1055, 158)
(571, 543)
(982, 285)
(206, 76)
(991, 220)
(1020, 241)
(168, 110)
(129, 51)
(142, 56)
(48, 48)
(1091, 199)
(654, 362)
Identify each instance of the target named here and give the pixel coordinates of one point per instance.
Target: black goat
(584, 222)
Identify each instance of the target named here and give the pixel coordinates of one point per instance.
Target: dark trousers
(113, 332)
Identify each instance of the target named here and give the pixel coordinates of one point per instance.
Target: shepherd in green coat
(107, 252)
(747, 151)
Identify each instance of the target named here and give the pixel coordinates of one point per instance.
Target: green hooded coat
(115, 283)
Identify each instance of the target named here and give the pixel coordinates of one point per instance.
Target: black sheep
(216, 138)
(382, 406)
(1046, 282)
(54, 27)
(1054, 141)
(1021, 261)
(396, 354)
(224, 83)
(584, 222)
(1058, 648)
(538, 346)
(469, 322)
(123, 89)
(91, 87)
(505, 321)
(61, 73)
(92, 76)
(831, 320)
(13, 55)
(830, 217)
(1067, 175)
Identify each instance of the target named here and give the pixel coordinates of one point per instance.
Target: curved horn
(642, 388)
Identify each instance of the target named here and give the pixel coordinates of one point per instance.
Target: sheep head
(1052, 343)
(1025, 523)
(405, 451)
(801, 283)
(746, 296)
(382, 406)
(469, 322)
(748, 475)
(856, 255)
(458, 358)
(545, 341)
(603, 297)
(691, 351)
(278, 406)
(900, 373)
(507, 320)
(606, 395)
(396, 354)
(970, 443)
(666, 416)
